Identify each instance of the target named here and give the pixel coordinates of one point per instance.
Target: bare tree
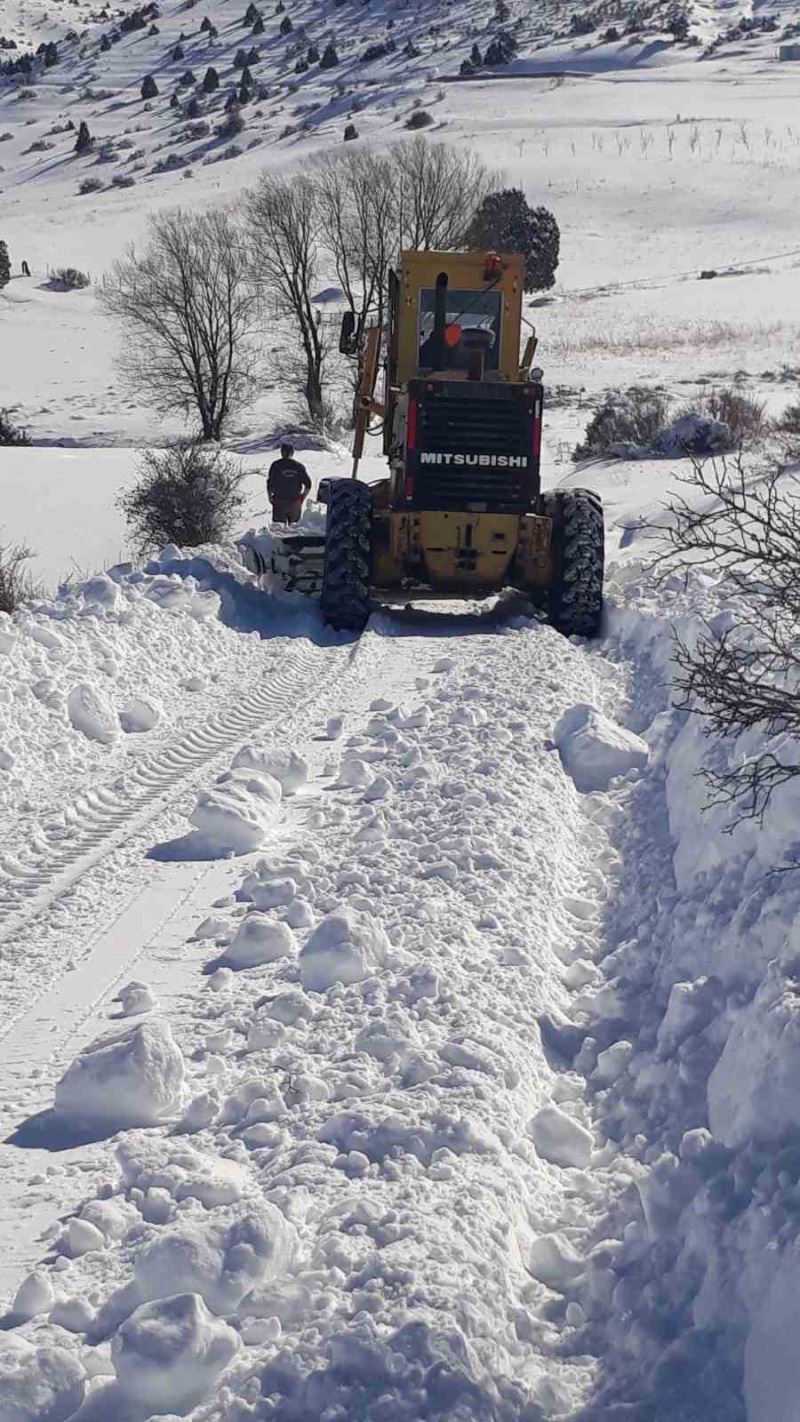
(188, 316)
(357, 203)
(745, 527)
(438, 190)
(284, 223)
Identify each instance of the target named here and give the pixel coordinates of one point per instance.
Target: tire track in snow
(49, 865)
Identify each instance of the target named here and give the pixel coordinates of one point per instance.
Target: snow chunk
(92, 714)
(237, 812)
(131, 1078)
(344, 948)
(101, 592)
(354, 774)
(140, 713)
(560, 1138)
(221, 1259)
(695, 434)
(34, 1295)
(594, 749)
(82, 1237)
(136, 998)
(73, 1314)
(168, 1354)
(553, 1261)
(259, 939)
(38, 1384)
(285, 766)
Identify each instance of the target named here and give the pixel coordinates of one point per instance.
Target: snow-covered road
(427, 980)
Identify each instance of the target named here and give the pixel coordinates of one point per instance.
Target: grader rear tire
(576, 596)
(345, 575)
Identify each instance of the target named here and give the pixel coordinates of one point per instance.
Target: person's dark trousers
(286, 510)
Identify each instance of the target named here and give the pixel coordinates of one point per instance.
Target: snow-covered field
(388, 1031)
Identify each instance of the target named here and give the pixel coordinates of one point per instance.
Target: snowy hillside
(389, 1029)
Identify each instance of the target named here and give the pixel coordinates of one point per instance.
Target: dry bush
(709, 335)
(68, 279)
(746, 418)
(17, 584)
(627, 417)
(189, 496)
(742, 674)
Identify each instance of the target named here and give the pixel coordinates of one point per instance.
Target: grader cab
(461, 513)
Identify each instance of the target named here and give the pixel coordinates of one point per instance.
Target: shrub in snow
(17, 586)
(350, 133)
(506, 222)
(11, 434)
(790, 420)
(90, 185)
(582, 24)
(502, 49)
(344, 948)
(123, 1079)
(149, 89)
(419, 119)
(694, 434)
(5, 265)
(38, 1384)
(594, 749)
(68, 279)
(123, 180)
(234, 122)
(168, 1354)
(739, 672)
(744, 418)
(627, 421)
(189, 496)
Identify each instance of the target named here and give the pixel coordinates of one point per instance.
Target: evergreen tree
(329, 58)
(84, 142)
(149, 88)
(5, 265)
(210, 81)
(505, 222)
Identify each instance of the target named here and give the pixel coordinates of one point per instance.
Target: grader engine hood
(473, 446)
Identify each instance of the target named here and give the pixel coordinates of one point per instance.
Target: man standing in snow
(287, 486)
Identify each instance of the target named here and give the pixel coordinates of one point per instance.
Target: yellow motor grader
(461, 513)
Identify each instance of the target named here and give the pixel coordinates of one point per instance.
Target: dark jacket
(287, 480)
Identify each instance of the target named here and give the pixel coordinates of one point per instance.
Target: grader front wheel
(345, 576)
